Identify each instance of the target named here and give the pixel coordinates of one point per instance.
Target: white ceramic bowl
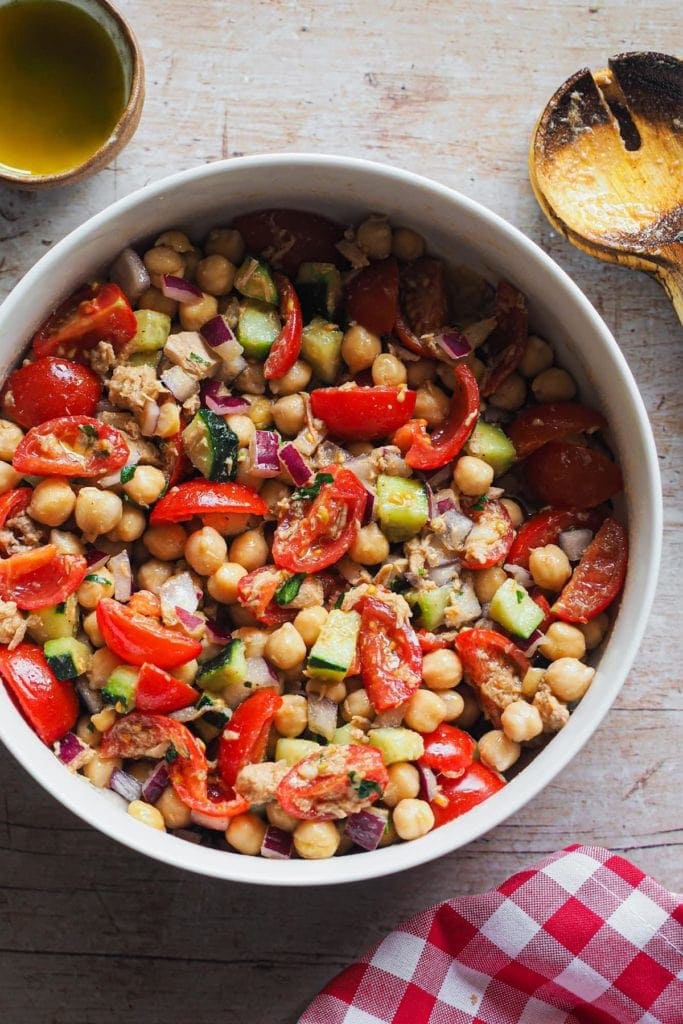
(460, 231)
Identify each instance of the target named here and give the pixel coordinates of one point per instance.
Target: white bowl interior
(462, 232)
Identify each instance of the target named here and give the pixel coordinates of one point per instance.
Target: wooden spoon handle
(670, 273)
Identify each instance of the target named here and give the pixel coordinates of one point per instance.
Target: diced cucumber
(211, 446)
(402, 507)
(397, 744)
(431, 604)
(152, 332)
(345, 734)
(513, 608)
(321, 344)
(254, 280)
(56, 621)
(257, 328)
(491, 444)
(294, 750)
(333, 652)
(121, 687)
(144, 359)
(230, 666)
(67, 657)
(319, 288)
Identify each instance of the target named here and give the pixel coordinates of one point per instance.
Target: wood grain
(451, 90)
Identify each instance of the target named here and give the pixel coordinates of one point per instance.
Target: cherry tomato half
(40, 577)
(462, 794)
(48, 389)
(336, 781)
(448, 750)
(203, 497)
(363, 414)
(160, 693)
(284, 351)
(427, 452)
(13, 502)
(92, 314)
(137, 638)
(256, 592)
(513, 323)
(560, 473)
(488, 660)
(288, 238)
(598, 577)
(49, 704)
(545, 527)
(390, 656)
(534, 427)
(491, 537)
(424, 299)
(244, 741)
(71, 446)
(372, 297)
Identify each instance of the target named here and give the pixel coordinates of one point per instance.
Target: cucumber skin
(491, 444)
(257, 328)
(333, 652)
(230, 666)
(402, 507)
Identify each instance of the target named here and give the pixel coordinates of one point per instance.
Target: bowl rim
(39, 761)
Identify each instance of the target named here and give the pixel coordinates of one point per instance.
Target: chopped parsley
(61, 608)
(340, 600)
(364, 787)
(290, 588)
(88, 431)
(519, 594)
(313, 490)
(198, 359)
(480, 503)
(127, 473)
(92, 577)
(171, 754)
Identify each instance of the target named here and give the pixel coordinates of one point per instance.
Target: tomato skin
(251, 721)
(50, 448)
(40, 577)
(13, 502)
(331, 793)
(137, 638)
(598, 577)
(477, 784)
(485, 655)
(493, 517)
(448, 750)
(256, 592)
(544, 528)
(424, 300)
(372, 297)
(302, 544)
(91, 314)
(288, 238)
(513, 325)
(560, 473)
(284, 351)
(432, 641)
(48, 389)
(363, 414)
(161, 693)
(203, 497)
(551, 421)
(431, 452)
(49, 704)
(390, 656)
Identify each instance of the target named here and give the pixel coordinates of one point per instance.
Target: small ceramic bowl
(130, 56)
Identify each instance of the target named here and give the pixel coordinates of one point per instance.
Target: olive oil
(62, 86)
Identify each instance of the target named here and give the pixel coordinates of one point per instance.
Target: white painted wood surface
(91, 931)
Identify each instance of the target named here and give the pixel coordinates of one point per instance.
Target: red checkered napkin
(583, 937)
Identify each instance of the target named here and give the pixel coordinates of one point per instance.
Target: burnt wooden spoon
(606, 164)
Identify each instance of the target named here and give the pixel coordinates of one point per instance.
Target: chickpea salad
(304, 536)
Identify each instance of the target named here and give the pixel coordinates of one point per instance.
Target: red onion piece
(70, 748)
(444, 505)
(519, 574)
(574, 543)
(130, 274)
(149, 418)
(295, 464)
(217, 398)
(94, 558)
(180, 290)
(428, 784)
(178, 592)
(389, 719)
(192, 624)
(259, 672)
(92, 699)
(369, 508)
(181, 385)
(216, 633)
(530, 646)
(123, 576)
(125, 785)
(155, 783)
(277, 844)
(263, 453)
(365, 829)
(219, 336)
(454, 343)
(322, 716)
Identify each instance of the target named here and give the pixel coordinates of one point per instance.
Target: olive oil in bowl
(63, 87)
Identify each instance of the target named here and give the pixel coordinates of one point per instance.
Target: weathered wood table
(90, 931)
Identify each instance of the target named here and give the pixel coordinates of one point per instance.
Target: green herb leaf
(171, 754)
(364, 787)
(313, 490)
(94, 578)
(480, 503)
(127, 473)
(88, 431)
(290, 588)
(339, 602)
(519, 594)
(61, 608)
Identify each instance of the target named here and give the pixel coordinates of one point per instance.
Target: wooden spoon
(606, 164)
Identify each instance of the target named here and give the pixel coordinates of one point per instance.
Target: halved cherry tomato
(448, 750)
(433, 641)
(288, 238)
(424, 299)
(318, 537)
(256, 592)
(13, 502)
(49, 704)
(71, 446)
(488, 659)
(203, 497)
(534, 427)
(427, 452)
(138, 733)
(598, 577)
(246, 735)
(372, 296)
(363, 414)
(94, 313)
(161, 693)
(40, 577)
(284, 351)
(545, 527)
(390, 656)
(542, 602)
(48, 389)
(560, 473)
(513, 326)
(138, 638)
(462, 794)
(338, 780)
(490, 540)
(177, 466)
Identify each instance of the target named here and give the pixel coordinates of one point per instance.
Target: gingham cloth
(583, 937)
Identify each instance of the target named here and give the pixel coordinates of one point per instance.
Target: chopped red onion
(530, 646)
(443, 574)
(125, 785)
(365, 829)
(519, 574)
(574, 543)
(429, 787)
(180, 290)
(92, 699)
(123, 576)
(192, 624)
(277, 844)
(363, 468)
(444, 504)
(390, 719)
(94, 558)
(263, 454)
(216, 824)
(439, 478)
(454, 343)
(219, 335)
(179, 382)
(369, 508)
(178, 592)
(259, 672)
(217, 398)
(457, 528)
(155, 783)
(130, 274)
(307, 440)
(216, 633)
(478, 332)
(149, 418)
(70, 750)
(295, 464)
(322, 716)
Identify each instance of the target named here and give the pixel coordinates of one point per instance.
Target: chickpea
(531, 682)
(245, 833)
(441, 670)
(104, 719)
(521, 721)
(250, 549)
(562, 640)
(168, 423)
(292, 717)
(155, 299)
(404, 783)
(487, 581)
(373, 236)
(225, 242)
(425, 711)
(160, 260)
(166, 542)
(147, 814)
(222, 584)
(130, 526)
(102, 664)
(413, 818)
(205, 551)
(498, 751)
(91, 592)
(92, 630)
(261, 412)
(569, 678)
(285, 647)
(316, 840)
(511, 394)
(388, 371)
(594, 631)
(370, 546)
(145, 485)
(432, 404)
(173, 810)
(278, 816)
(360, 348)
(454, 704)
(296, 379)
(215, 274)
(52, 502)
(420, 372)
(227, 526)
(472, 476)
(471, 712)
(243, 427)
(87, 732)
(357, 705)
(153, 574)
(514, 511)
(549, 567)
(553, 385)
(97, 511)
(9, 477)
(99, 770)
(254, 640)
(176, 240)
(289, 414)
(187, 672)
(193, 315)
(10, 436)
(538, 356)
(336, 692)
(406, 244)
(309, 622)
(273, 492)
